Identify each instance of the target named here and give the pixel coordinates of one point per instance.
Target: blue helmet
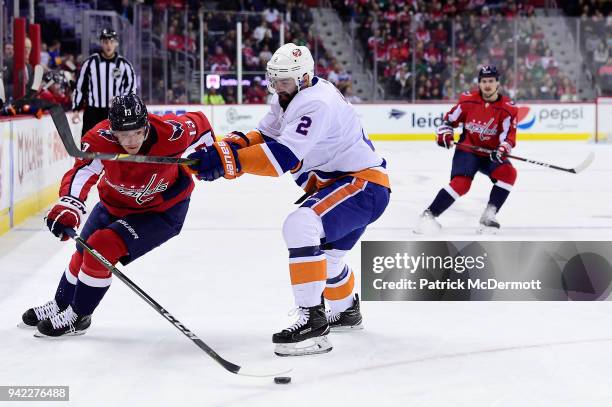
(127, 112)
(488, 71)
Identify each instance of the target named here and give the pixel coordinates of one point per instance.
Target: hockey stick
(227, 365)
(577, 169)
(63, 129)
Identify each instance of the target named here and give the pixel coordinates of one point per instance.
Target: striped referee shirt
(101, 79)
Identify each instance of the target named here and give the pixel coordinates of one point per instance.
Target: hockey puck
(282, 380)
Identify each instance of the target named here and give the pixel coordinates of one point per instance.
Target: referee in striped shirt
(104, 75)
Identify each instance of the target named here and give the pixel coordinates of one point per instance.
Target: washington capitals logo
(143, 194)
(396, 114)
(177, 130)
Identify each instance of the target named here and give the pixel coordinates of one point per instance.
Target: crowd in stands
(59, 72)
(412, 44)
(596, 39)
(261, 23)
(426, 50)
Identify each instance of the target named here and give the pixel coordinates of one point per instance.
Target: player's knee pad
(335, 262)
(461, 184)
(110, 245)
(505, 174)
(302, 228)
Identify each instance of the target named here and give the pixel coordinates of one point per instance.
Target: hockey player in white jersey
(314, 133)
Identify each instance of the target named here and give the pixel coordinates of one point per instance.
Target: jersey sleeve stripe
(506, 128)
(85, 176)
(281, 156)
(206, 139)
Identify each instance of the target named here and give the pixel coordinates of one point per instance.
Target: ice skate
(34, 315)
(428, 224)
(65, 323)
(347, 320)
(307, 336)
(488, 223)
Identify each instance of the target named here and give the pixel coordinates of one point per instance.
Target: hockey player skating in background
(489, 121)
(141, 205)
(315, 134)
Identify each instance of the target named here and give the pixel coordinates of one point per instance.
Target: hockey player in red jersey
(141, 205)
(489, 121)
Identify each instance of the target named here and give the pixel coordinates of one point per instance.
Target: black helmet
(127, 112)
(109, 34)
(488, 71)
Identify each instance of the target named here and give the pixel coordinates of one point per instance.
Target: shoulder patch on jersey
(177, 130)
(108, 135)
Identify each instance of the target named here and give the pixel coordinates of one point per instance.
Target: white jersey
(323, 131)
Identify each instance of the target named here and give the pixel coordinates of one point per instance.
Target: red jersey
(485, 124)
(126, 187)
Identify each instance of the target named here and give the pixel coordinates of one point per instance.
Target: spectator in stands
(262, 32)
(174, 41)
(26, 77)
(126, 10)
(349, 96)
(7, 69)
(333, 75)
(45, 58)
(264, 56)
(220, 62)
(256, 93)
(600, 55)
(249, 56)
(213, 98)
(230, 95)
(605, 78)
(403, 81)
(271, 15)
(567, 91)
(55, 51)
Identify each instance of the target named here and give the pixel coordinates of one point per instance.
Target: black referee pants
(93, 116)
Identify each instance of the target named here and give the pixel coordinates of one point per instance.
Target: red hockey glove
(445, 135)
(500, 153)
(64, 215)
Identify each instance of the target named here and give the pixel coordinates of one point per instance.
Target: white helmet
(290, 61)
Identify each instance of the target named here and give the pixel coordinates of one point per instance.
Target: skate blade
(38, 334)
(487, 230)
(23, 325)
(347, 328)
(313, 346)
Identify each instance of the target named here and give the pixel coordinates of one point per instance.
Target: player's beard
(494, 93)
(285, 98)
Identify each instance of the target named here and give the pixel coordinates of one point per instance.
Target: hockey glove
(216, 161)
(445, 135)
(237, 139)
(66, 214)
(240, 140)
(500, 153)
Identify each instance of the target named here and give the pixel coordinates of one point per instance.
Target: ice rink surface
(226, 278)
